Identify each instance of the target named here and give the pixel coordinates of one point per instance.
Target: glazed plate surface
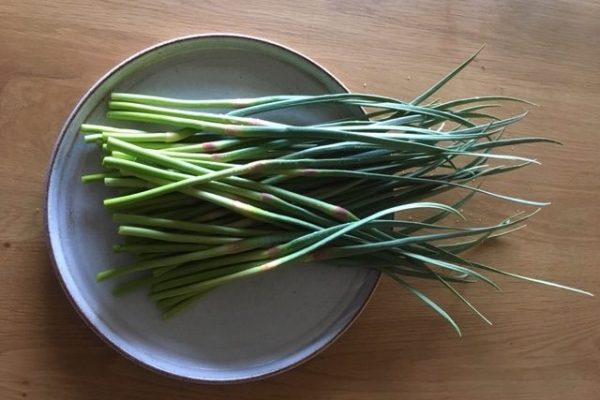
(244, 330)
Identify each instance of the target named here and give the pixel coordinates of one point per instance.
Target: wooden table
(545, 343)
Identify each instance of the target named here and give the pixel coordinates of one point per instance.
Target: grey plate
(245, 330)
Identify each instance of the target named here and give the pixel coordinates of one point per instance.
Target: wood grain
(545, 343)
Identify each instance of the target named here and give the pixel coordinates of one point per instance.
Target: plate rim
(49, 173)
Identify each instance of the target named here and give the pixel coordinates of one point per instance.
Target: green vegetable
(223, 196)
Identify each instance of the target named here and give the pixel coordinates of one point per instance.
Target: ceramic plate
(244, 330)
